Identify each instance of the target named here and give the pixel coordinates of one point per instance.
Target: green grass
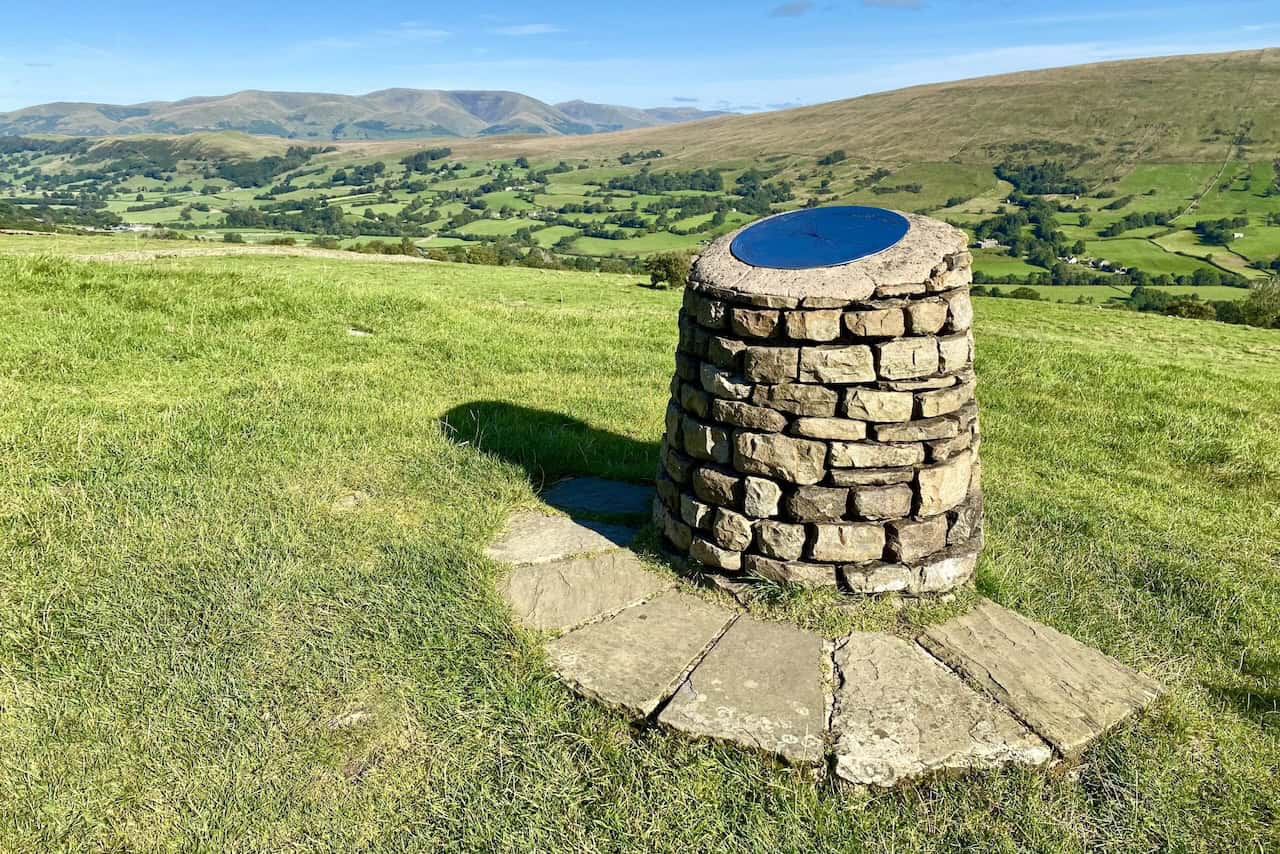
(188, 629)
(1143, 254)
(644, 244)
(497, 227)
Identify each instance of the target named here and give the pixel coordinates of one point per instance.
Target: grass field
(203, 647)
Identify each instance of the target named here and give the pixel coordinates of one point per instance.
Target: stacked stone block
(827, 440)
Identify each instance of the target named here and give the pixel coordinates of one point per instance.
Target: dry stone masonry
(823, 426)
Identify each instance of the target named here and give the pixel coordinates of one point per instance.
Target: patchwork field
(245, 604)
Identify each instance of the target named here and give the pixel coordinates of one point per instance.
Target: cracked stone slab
(532, 537)
(1066, 691)
(635, 660)
(567, 593)
(899, 714)
(760, 686)
(596, 495)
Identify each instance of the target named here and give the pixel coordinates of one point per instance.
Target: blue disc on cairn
(819, 237)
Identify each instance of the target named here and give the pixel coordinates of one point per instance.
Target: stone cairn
(822, 428)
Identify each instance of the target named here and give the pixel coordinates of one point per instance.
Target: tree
(1262, 307)
(1192, 308)
(668, 270)
(232, 237)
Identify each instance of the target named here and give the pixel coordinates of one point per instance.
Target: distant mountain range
(386, 114)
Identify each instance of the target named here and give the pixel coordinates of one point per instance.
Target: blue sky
(744, 55)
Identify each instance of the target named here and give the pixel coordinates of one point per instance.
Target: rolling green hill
(386, 114)
(1099, 117)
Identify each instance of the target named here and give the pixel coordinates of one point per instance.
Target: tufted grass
(203, 647)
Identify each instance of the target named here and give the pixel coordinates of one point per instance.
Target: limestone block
(790, 571)
(754, 323)
(800, 461)
(732, 530)
(877, 323)
(707, 552)
(883, 502)
(760, 498)
(870, 455)
(695, 401)
(946, 400)
(955, 352)
(847, 542)
(715, 487)
(907, 358)
(725, 352)
(916, 431)
(770, 364)
(780, 540)
(748, 417)
(910, 540)
(961, 310)
(813, 325)
(842, 429)
(694, 513)
(878, 577)
(851, 364)
(871, 477)
(882, 406)
(818, 504)
(926, 317)
(721, 383)
(943, 486)
(705, 442)
(797, 399)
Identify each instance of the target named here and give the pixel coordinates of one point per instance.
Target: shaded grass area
(201, 649)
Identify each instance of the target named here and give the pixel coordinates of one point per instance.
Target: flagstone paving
(565, 594)
(982, 690)
(1070, 693)
(533, 537)
(760, 685)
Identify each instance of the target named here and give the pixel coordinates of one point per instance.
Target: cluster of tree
(648, 182)
(1075, 274)
(359, 175)
(1260, 308)
(1138, 220)
(1219, 232)
(1119, 203)
(897, 188)
(757, 197)
(1044, 245)
(1040, 178)
(422, 161)
(258, 173)
(628, 158)
(872, 178)
(668, 269)
(1017, 293)
(832, 158)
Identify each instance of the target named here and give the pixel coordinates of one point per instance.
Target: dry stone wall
(827, 440)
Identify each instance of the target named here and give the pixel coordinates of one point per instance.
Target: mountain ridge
(393, 113)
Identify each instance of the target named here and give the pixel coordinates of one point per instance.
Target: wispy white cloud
(527, 30)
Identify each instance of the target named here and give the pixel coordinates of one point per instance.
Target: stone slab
(760, 686)
(532, 537)
(566, 593)
(596, 495)
(1068, 692)
(900, 715)
(635, 660)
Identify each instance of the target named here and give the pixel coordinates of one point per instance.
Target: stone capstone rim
(921, 255)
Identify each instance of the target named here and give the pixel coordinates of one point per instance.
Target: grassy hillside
(244, 605)
(1103, 116)
(316, 116)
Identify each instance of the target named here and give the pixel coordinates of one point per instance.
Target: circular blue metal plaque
(819, 237)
